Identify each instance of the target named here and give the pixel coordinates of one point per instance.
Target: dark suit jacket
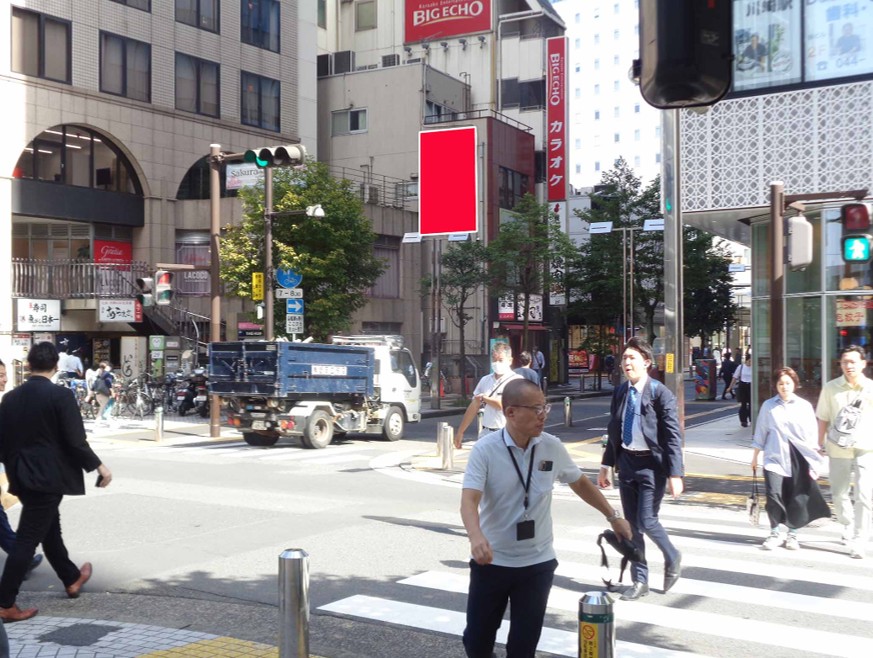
(42, 439)
(659, 423)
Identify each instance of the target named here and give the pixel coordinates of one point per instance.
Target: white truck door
(405, 382)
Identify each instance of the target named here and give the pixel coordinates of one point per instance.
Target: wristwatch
(614, 516)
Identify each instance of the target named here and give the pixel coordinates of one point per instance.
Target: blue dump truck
(366, 384)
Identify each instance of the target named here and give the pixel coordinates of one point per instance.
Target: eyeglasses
(538, 409)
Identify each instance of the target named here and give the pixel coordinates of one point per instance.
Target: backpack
(842, 429)
(101, 386)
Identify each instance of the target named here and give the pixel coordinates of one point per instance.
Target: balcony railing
(75, 279)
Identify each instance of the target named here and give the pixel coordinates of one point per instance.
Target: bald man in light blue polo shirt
(506, 509)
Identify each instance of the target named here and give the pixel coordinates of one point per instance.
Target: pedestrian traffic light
(163, 287)
(146, 287)
(800, 243)
(276, 156)
(685, 51)
(856, 243)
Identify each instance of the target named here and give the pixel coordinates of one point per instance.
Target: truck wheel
(260, 440)
(318, 432)
(392, 428)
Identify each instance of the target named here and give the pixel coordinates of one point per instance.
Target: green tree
(519, 256)
(334, 253)
(707, 299)
(464, 272)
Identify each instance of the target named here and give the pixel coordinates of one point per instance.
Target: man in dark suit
(645, 444)
(43, 445)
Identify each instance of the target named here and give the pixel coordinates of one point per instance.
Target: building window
(347, 122)
(511, 186)
(387, 249)
(596, 64)
(636, 108)
(615, 8)
(616, 138)
(578, 18)
(577, 92)
(260, 101)
(578, 169)
(637, 135)
(658, 158)
(615, 35)
(125, 67)
(199, 13)
(616, 60)
(40, 45)
(597, 115)
(365, 15)
(616, 112)
(577, 43)
(260, 23)
(596, 39)
(615, 85)
(578, 68)
(533, 94)
(596, 89)
(136, 4)
(578, 143)
(197, 83)
(658, 131)
(636, 161)
(322, 13)
(596, 166)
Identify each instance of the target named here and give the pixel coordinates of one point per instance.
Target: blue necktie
(627, 430)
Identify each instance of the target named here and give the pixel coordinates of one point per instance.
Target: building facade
(111, 107)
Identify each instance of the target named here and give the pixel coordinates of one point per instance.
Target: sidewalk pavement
(51, 635)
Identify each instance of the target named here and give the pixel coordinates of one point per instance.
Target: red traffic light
(855, 217)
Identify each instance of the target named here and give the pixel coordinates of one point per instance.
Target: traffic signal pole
(215, 273)
(269, 293)
(777, 284)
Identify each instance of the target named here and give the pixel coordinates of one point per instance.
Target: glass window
(596, 89)
(767, 45)
(40, 45)
(349, 121)
(616, 112)
(136, 4)
(637, 135)
(125, 67)
(615, 85)
(387, 249)
(322, 13)
(533, 93)
(401, 362)
(260, 101)
(838, 40)
(196, 85)
(260, 23)
(615, 35)
(365, 15)
(636, 161)
(578, 143)
(510, 94)
(597, 115)
(616, 138)
(636, 108)
(596, 166)
(199, 13)
(578, 169)
(577, 43)
(803, 342)
(596, 64)
(616, 60)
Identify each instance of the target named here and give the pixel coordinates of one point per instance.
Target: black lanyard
(529, 472)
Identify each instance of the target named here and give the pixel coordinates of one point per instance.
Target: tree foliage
(334, 253)
(708, 303)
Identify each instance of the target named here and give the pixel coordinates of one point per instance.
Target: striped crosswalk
(734, 599)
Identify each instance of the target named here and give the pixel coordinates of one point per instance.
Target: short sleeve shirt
(489, 384)
(490, 470)
(835, 395)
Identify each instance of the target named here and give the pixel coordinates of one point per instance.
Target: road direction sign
(653, 224)
(293, 324)
(288, 278)
(294, 306)
(600, 227)
(289, 293)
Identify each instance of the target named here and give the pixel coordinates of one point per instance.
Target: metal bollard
(294, 603)
(445, 446)
(596, 626)
(544, 384)
(159, 423)
(568, 412)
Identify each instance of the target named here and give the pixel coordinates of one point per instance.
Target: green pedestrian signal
(856, 248)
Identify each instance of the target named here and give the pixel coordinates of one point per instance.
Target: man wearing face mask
(488, 394)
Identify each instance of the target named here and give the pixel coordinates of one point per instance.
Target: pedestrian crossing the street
(733, 599)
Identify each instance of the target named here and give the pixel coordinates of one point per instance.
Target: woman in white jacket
(787, 434)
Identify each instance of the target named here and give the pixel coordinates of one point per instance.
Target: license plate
(259, 425)
(200, 398)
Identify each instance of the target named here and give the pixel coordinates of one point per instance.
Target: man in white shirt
(852, 386)
(488, 393)
(506, 509)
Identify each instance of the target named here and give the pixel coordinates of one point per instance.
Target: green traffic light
(252, 156)
(856, 248)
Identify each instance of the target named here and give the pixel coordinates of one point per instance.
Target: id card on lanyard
(524, 529)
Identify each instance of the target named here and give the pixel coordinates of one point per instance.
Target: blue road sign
(288, 278)
(294, 306)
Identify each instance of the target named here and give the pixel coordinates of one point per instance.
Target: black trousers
(744, 397)
(40, 523)
(526, 589)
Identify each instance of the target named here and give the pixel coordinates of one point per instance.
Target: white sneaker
(856, 550)
(791, 543)
(773, 541)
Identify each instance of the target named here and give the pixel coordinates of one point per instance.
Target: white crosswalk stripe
(733, 598)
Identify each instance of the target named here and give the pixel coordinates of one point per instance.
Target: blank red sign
(448, 198)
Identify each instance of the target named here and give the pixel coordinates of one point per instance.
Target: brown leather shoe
(15, 613)
(84, 576)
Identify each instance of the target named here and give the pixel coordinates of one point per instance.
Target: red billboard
(556, 118)
(448, 182)
(438, 19)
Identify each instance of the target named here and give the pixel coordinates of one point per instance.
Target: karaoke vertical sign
(556, 118)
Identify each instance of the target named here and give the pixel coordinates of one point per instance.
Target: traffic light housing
(857, 241)
(277, 156)
(685, 51)
(800, 243)
(146, 287)
(163, 287)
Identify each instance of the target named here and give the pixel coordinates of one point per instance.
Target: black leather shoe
(672, 573)
(638, 591)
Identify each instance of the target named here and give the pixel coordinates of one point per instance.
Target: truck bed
(298, 370)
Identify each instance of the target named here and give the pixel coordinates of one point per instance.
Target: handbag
(752, 506)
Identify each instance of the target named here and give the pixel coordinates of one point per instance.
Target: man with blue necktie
(645, 445)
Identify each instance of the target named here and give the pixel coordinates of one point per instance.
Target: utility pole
(269, 293)
(215, 160)
(777, 283)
